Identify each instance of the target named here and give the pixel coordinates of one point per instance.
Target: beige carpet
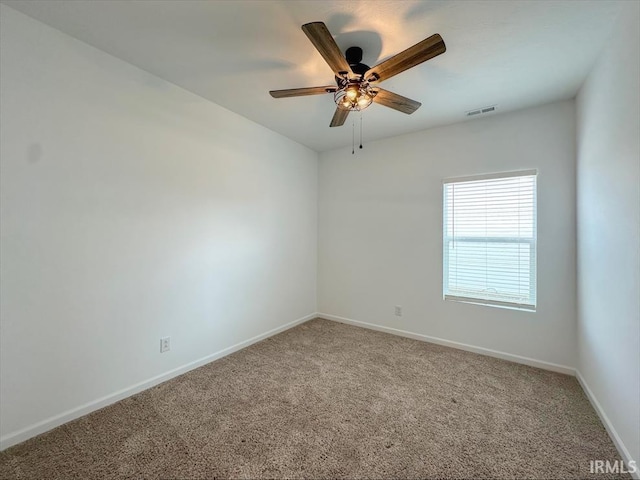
(326, 400)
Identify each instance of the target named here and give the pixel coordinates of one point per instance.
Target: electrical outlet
(398, 310)
(165, 344)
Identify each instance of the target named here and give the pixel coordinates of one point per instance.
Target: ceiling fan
(356, 83)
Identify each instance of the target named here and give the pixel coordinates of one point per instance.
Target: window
(490, 239)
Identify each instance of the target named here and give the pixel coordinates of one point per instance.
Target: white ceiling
(510, 53)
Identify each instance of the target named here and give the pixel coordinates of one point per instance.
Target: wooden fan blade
(395, 101)
(339, 117)
(301, 92)
(412, 56)
(326, 45)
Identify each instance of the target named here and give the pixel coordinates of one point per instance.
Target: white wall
(131, 210)
(380, 224)
(609, 231)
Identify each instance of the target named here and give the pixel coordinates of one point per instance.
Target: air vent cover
(480, 111)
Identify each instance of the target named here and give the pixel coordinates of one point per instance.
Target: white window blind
(490, 239)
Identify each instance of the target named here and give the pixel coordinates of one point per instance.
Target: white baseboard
(617, 441)
(55, 421)
(50, 423)
(449, 343)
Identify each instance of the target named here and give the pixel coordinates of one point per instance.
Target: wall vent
(480, 111)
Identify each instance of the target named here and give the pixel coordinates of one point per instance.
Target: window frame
(532, 242)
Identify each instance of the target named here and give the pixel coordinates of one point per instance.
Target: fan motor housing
(354, 59)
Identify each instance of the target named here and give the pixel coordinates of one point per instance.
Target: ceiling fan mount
(353, 56)
(356, 83)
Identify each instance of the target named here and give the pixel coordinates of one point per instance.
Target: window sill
(504, 305)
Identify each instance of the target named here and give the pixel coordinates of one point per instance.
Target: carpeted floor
(326, 400)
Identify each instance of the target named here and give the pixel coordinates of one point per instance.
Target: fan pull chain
(360, 128)
(353, 136)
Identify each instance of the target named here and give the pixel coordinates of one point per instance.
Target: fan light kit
(356, 83)
(354, 96)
